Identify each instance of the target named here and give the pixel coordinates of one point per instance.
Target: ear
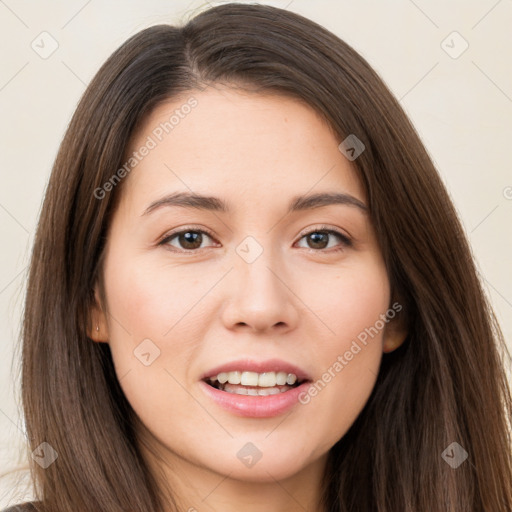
(395, 331)
(98, 329)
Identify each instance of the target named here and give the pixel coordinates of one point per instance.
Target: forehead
(241, 144)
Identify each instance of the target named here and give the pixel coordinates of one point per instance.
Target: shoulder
(23, 507)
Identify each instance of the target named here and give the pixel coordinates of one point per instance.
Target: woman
(249, 288)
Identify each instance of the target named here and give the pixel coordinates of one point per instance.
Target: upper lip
(249, 365)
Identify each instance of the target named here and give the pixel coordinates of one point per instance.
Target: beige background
(460, 104)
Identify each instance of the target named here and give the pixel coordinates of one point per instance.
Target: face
(269, 283)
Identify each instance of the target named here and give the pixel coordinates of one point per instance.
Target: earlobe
(97, 330)
(393, 340)
(395, 333)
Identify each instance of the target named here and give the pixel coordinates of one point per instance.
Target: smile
(254, 384)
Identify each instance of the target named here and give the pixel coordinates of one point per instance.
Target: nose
(259, 296)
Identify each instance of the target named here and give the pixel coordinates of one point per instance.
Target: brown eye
(187, 240)
(320, 239)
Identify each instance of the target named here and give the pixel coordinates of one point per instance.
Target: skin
(300, 302)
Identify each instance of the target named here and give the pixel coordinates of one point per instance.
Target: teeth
(264, 380)
(266, 392)
(249, 379)
(281, 378)
(240, 390)
(235, 377)
(291, 379)
(267, 380)
(222, 377)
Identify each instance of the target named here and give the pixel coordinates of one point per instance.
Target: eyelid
(324, 227)
(346, 240)
(183, 229)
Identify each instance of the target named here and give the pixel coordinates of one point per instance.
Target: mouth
(253, 383)
(256, 389)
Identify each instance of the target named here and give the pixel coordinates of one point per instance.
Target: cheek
(351, 305)
(153, 329)
(151, 300)
(350, 301)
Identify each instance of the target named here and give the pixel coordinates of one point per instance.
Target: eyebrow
(298, 203)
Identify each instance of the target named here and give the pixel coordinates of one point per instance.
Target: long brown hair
(446, 384)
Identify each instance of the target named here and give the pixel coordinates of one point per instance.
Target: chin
(267, 464)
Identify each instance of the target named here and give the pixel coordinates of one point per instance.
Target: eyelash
(345, 240)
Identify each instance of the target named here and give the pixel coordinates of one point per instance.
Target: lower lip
(255, 406)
